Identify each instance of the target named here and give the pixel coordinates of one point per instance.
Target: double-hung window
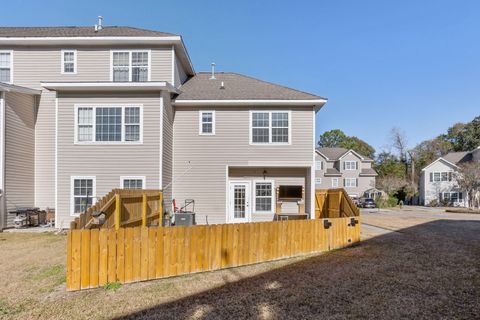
(318, 180)
(6, 66)
(318, 165)
(334, 182)
(131, 66)
(69, 61)
(350, 182)
(270, 127)
(83, 194)
(132, 182)
(264, 197)
(108, 124)
(207, 123)
(350, 165)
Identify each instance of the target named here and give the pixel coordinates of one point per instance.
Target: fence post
(118, 208)
(160, 207)
(144, 210)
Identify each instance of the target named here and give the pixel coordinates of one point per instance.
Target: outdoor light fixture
(264, 174)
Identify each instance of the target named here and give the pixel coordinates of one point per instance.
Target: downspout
(2, 161)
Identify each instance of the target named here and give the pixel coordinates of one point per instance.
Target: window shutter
(356, 182)
(344, 165)
(431, 176)
(460, 196)
(344, 182)
(356, 165)
(450, 176)
(321, 165)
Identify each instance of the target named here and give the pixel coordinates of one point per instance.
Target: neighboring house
(85, 110)
(437, 180)
(343, 168)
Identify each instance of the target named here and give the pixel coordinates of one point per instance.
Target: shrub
(389, 202)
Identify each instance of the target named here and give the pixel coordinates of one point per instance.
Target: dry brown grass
(428, 270)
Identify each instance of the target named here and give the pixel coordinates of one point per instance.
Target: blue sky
(409, 64)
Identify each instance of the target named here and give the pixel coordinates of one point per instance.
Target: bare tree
(468, 179)
(399, 142)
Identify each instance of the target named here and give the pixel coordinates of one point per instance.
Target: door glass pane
(239, 202)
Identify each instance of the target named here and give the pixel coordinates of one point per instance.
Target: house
(343, 168)
(437, 180)
(85, 110)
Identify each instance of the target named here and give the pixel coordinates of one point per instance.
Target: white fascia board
(299, 103)
(354, 152)
(326, 158)
(113, 86)
(440, 159)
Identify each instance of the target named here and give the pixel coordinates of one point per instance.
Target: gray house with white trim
(344, 168)
(84, 110)
(438, 180)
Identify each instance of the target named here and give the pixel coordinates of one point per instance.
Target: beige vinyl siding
(167, 152)
(206, 157)
(106, 162)
(180, 75)
(279, 176)
(19, 152)
(32, 65)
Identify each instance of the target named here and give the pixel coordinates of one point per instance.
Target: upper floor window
(133, 66)
(108, 124)
(350, 165)
(207, 122)
(270, 127)
(440, 176)
(5, 66)
(69, 61)
(318, 165)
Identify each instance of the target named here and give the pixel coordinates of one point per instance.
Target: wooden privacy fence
(100, 256)
(334, 203)
(123, 208)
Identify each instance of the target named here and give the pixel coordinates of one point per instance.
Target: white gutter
(299, 103)
(110, 86)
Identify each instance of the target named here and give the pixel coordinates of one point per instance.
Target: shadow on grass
(429, 271)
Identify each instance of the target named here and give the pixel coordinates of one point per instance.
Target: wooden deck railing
(100, 256)
(123, 208)
(334, 203)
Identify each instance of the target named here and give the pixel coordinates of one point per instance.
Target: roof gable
(443, 161)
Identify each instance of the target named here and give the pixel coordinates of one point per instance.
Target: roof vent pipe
(100, 23)
(213, 71)
(222, 85)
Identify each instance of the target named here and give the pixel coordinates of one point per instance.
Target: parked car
(355, 200)
(368, 203)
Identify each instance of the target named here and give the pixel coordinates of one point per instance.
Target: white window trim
(350, 162)
(94, 191)
(254, 200)
(122, 178)
(149, 74)
(350, 179)
(335, 185)
(200, 123)
(318, 180)
(11, 63)
(74, 61)
(318, 165)
(94, 106)
(270, 143)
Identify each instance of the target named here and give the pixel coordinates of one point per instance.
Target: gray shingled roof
(368, 172)
(237, 87)
(457, 157)
(332, 172)
(336, 153)
(107, 31)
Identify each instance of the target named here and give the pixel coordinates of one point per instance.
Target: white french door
(239, 202)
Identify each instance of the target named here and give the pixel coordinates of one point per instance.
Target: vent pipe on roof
(222, 85)
(213, 71)
(100, 22)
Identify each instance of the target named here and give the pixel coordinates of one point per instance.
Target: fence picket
(94, 259)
